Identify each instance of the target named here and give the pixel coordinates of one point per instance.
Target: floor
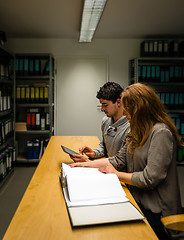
(11, 193)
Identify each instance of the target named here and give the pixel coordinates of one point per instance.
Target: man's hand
(79, 158)
(88, 151)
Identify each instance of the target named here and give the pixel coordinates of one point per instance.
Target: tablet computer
(69, 151)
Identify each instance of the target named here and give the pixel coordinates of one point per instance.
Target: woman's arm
(123, 177)
(106, 167)
(95, 164)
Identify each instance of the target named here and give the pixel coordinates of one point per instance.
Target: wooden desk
(42, 213)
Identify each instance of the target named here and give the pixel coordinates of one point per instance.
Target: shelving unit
(34, 105)
(166, 76)
(7, 114)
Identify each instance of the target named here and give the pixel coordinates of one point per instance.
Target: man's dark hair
(110, 91)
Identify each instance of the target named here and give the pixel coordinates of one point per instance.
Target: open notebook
(93, 197)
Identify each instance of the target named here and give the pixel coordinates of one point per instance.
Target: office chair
(176, 223)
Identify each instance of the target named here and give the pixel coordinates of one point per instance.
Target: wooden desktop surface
(42, 212)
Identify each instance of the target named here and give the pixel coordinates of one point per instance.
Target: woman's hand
(80, 164)
(79, 158)
(108, 168)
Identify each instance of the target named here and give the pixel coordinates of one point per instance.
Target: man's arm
(100, 151)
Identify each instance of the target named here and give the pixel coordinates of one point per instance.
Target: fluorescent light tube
(92, 12)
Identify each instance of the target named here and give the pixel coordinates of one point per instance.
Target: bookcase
(35, 82)
(7, 114)
(166, 75)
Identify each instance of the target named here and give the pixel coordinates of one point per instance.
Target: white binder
(95, 198)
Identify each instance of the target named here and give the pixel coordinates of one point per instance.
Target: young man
(114, 125)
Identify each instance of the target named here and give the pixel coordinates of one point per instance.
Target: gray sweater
(113, 134)
(154, 171)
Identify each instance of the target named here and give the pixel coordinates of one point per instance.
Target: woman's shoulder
(161, 134)
(161, 127)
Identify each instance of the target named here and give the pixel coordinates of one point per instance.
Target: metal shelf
(178, 84)
(5, 144)
(44, 78)
(8, 80)
(32, 105)
(22, 159)
(2, 182)
(6, 112)
(36, 77)
(160, 59)
(33, 132)
(180, 163)
(172, 85)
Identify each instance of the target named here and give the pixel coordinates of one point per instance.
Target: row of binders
(172, 99)
(36, 148)
(37, 119)
(7, 160)
(32, 94)
(32, 66)
(5, 70)
(26, 66)
(6, 101)
(180, 157)
(178, 120)
(157, 73)
(162, 48)
(6, 129)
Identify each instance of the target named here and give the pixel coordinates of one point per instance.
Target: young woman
(147, 162)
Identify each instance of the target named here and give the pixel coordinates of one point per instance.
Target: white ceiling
(121, 19)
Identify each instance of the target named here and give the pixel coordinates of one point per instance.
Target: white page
(93, 202)
(78, 170)
(91, 187)
(88, 186)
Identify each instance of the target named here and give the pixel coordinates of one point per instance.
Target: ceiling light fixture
(92, 12)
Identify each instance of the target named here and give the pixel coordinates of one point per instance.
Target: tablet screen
(69, 151)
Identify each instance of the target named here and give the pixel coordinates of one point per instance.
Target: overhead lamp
(92, 12)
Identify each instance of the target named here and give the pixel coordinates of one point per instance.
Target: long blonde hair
(145, 109)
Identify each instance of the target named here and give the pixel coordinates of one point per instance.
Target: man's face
(109, 108)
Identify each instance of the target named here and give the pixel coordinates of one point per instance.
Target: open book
(93, 197)
(88, 186)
